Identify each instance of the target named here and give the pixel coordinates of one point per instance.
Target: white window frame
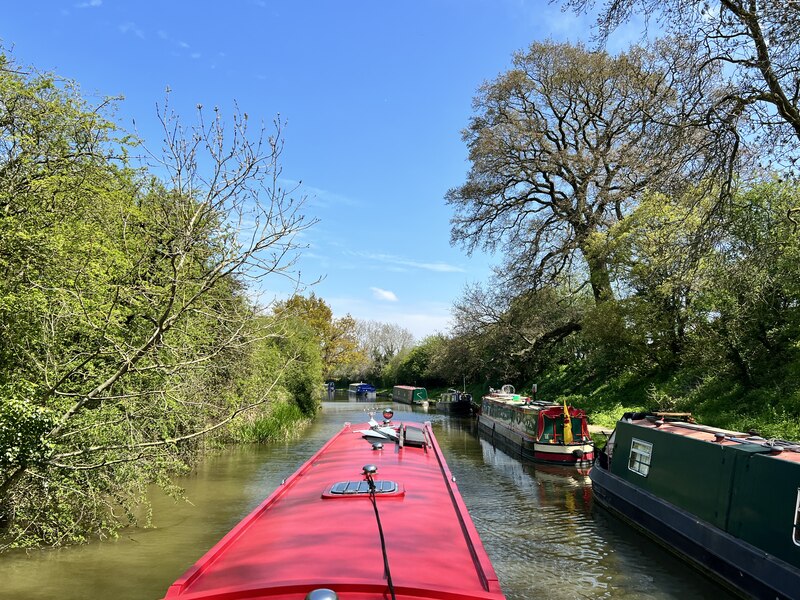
(796, 531)
(640, 457)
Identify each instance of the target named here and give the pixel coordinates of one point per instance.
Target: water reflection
(544, 536)
(547, 540)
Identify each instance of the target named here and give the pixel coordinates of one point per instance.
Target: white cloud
(437, 267)
(131, 27)
(316, 197)
(383, 294)
(90, 4)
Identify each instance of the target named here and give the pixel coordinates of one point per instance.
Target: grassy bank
(774, 412)
(277, 422)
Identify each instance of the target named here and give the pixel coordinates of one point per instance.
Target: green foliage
(303, 375)
(611, 344)
(336, 337)
(23, 427)
(129, 335)
(414, 367)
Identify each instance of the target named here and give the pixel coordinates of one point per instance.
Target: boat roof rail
(670, 417)
(769, 445)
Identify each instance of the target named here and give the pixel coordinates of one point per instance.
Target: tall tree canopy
(381, 342)
(757, 40)
(560, 147)
(336, 337)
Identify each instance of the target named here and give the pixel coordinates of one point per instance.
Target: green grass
(280, 421)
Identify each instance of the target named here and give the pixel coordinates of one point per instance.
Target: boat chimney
(719, 437)
(388, 413)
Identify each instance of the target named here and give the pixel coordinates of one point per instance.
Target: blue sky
(375, 95)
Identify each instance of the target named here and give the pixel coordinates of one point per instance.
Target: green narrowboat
(408, 394)
(454, 402)
(727, 502)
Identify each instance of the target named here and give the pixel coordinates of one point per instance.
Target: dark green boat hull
(726, 508)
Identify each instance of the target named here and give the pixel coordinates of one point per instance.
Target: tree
(660, 255)
(514, 335)
(124, 302)
(758, 41)
(381, 342)
(414, 366)
(722, 303)
(336, 337)
(561, 147)
(749, 306)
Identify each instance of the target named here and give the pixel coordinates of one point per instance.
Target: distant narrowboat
(408, 394)
(361, 388)
(454, 402)
(728, 502)
(536, 430)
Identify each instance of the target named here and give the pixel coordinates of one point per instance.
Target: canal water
(545, 538)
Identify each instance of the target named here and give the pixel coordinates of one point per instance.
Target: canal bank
(543, 535)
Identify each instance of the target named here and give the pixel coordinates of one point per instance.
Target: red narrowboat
(375, 513)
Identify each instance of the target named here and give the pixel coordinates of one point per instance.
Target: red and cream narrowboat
(375, 513)
(536, 430)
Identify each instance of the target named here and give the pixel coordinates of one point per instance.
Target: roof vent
(321, 594)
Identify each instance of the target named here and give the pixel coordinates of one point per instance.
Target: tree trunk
(599, 278)
(11, 481)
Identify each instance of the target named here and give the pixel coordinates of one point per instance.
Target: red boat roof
(781, 449)
(304, 537)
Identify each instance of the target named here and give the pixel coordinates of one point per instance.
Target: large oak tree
(560, 147)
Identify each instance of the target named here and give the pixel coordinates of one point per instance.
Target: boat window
(361, 487)
(796, 535)
(639, 461)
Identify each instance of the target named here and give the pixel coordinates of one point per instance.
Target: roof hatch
(361, 488)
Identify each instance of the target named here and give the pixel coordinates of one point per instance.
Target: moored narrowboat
(409, 394)
(361, 389)
(375, 513)
(727, 502)
(454, 402)
(536, 430)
